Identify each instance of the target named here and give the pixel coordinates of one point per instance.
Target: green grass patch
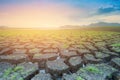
(79, 78)
(91, 69)
(116, 45)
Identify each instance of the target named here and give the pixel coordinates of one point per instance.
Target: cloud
(107, 10)
(114, 6)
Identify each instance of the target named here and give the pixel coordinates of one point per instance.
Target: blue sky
(72, 12)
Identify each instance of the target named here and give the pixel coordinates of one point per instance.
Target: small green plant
(18, 68)
(92, 69)
(116, 45)
(13, 77)
(7, 72)
(79, 78)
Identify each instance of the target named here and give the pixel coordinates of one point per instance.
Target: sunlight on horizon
(56, 13)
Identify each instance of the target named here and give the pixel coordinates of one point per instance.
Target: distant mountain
(104, 24)
(100, 26)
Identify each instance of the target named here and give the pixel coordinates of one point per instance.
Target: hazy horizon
(55, 13)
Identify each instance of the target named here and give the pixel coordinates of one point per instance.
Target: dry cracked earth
(84, 58)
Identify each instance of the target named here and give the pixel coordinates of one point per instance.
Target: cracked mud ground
(59, 55)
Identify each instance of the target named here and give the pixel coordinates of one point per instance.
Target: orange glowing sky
(50, 14)
(35, 15)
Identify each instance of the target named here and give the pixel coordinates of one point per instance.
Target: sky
(55, 13)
